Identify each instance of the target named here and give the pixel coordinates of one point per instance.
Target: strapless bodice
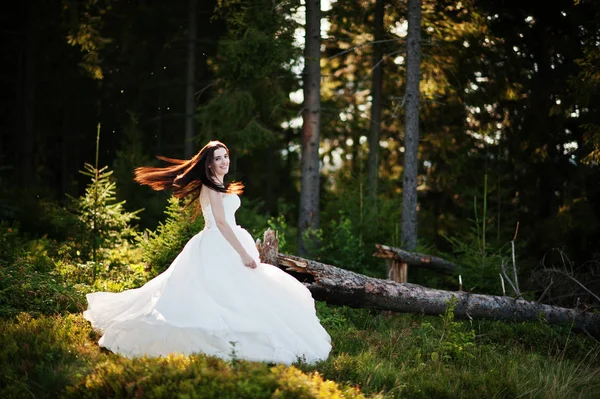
(231, 203)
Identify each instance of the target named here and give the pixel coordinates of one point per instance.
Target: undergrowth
(410, 356)
(55, 354)
(48, 350)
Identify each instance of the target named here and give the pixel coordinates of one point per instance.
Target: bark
(411, 126)
(190, 104)
(414, 258)
(65, 155)
(309, 190)
(341, 287)
(376, 89)
(27, 106)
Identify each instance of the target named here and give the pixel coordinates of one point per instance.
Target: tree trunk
(342, 287)
(376, 89)
(309, 190)
(27, 106)
(411, 126)
(65, 154)
(190, 104)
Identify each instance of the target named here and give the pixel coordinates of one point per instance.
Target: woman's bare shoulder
(204, 196)
(208, 195)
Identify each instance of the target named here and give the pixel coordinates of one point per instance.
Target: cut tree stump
(342, 287)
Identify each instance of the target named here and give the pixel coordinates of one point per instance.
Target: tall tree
(27, 139)
(411, 124)
(376, 91)
(254, 72)
(309, 191)
(190, 104)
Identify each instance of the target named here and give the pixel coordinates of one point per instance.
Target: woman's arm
(216, 203)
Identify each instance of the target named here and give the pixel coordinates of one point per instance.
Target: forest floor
(47, 349)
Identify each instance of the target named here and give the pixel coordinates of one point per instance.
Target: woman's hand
(248, 261)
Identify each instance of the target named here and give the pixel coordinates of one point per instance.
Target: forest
(466, 130)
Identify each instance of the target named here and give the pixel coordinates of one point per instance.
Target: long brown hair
(186, 177)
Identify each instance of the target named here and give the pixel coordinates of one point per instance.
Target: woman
(216, 297)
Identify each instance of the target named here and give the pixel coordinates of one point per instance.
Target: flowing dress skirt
(208, 302)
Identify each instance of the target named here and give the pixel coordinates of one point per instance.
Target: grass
(375, 355)
(48, 350)
(400, 356)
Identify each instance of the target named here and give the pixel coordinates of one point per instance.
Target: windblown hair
(186, 177)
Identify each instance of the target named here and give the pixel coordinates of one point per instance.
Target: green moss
(57, 356)
(40, 356)
(26, 285)
(205, 377)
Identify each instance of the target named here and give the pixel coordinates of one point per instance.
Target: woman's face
(220, 163)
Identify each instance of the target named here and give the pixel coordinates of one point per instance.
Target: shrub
(121, 269)
(161, 246)
(107, 223)
(205, 377)
(10, 242)
(342, 247)
(41, 356)
(452, 342)
(336, 244)
(57, 356)
(29, 283)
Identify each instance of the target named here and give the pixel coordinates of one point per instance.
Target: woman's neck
(217, 181)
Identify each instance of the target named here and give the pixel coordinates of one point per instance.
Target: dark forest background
(509, 121)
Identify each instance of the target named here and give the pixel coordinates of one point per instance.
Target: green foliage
(200, 376)
(36, 213)
(391, 354)
(454, 342)
(57, 356)
(232, 117)
(10, 242)
(253, 28)
(107, 222)
(253, 75)
(57, 222)
(41, 356)
(251, 218)
(479, 268)
(480, 260)
(29, 283)
(285, 239)
(121, 268)
(131, 155)
(340, 246)
(387, 355)
(161, 246)
(86, 22)
(352, 226)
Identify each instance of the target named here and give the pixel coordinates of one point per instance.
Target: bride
(216, 297)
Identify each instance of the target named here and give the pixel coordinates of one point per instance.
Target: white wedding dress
(208, 302)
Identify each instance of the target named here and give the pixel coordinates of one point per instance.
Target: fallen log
(342, 287)
(414, 258)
